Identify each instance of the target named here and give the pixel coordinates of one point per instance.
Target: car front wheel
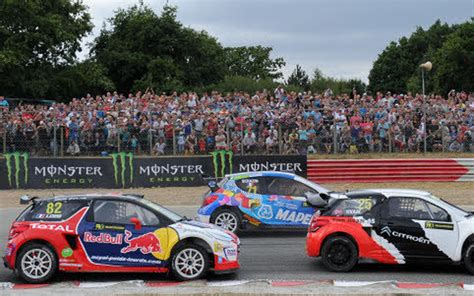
(190, 262)
(36, 263)
(227, 219)
(469, 258)
(339, 253)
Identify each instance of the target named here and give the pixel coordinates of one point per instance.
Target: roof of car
(95, 196)
(264, 173)
(389, 192)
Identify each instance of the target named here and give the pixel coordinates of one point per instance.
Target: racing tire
(190, 262)
(36, 263)
(227, 219)
(469, 258)
(339, 254)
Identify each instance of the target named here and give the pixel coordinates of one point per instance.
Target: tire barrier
(391, 170)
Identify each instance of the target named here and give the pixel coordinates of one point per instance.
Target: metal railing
(317, 133)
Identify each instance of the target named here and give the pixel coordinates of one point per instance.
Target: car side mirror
(213, 186)
(316, 200)
(136, 222)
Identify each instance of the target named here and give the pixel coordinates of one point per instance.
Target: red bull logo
(146, 243)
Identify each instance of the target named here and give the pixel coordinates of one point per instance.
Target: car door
(287, 197)
(404, 222)
(122, 233)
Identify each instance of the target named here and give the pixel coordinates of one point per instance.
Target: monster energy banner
(124, 170)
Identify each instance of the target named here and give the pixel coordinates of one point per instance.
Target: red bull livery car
(391, 226)
(114, 233)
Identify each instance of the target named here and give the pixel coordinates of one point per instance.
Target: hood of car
(214, 231)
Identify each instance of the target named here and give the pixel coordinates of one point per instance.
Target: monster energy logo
(122, 157)
(220, 157)
(15, 159)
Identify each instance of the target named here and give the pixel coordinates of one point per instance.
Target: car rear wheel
(339, 253)
(469, 258)
(36, 263)
(227, 219)
(190, 262)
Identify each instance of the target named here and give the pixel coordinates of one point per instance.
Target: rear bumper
(5, 262)
(313, 244)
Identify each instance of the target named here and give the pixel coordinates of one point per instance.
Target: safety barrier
(391, 170)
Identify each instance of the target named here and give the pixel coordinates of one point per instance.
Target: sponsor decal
(265, 212)
(48, 216)
(389, 232)
(14, 167)
(146, 243)
(437, 225)
(291, 167)
(100, 226)
(125, 259)
(230, 253)
(218, 247)
(54, 227)
(220, 160)
(122, 156)
(103, 238)
(66, 252)
(293, 216)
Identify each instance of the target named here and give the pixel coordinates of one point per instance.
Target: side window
(284, 186)
(438, 213)
(352, 207)
(410, 208)
(119, 212)
(54, 210)
(252, 185)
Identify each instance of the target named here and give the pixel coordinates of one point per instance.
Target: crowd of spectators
(266, 122)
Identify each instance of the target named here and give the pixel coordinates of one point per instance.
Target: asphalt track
(277, 255)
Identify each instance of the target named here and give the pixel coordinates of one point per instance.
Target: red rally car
(114, 233)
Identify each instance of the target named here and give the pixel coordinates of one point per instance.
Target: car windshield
(164, 211)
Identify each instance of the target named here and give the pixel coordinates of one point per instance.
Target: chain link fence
(315, 131)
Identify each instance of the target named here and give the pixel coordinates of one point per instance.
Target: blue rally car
(262, 199)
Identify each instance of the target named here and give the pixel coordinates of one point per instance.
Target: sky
(340, 37)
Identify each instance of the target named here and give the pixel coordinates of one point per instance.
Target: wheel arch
(234, 209)
(35, 241)
(344, 234)
(467, 241)
(195, 241)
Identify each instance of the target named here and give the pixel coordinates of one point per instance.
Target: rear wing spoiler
(26, 199)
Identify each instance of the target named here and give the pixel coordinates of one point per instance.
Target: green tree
(37, 40)
(253, 62)
(299, 78)
(319, 83)
(454, 62)
(396, 66)
(142, 49)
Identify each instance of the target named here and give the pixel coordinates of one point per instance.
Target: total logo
(53, 227)
(389, 232)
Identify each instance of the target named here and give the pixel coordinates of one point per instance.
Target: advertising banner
(125, 170)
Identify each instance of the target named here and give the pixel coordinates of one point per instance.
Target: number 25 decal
(54, 208)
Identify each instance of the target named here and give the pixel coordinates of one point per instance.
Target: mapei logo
(122, 162)
(14, 162)
(222, 160)
(386, 230)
